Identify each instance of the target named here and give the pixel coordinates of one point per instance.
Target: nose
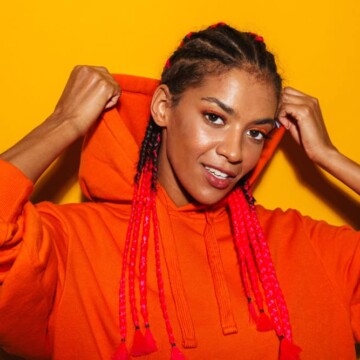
(231, 146)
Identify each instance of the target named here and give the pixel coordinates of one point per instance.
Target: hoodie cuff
(15, 189)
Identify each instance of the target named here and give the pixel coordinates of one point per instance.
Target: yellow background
(316, 43)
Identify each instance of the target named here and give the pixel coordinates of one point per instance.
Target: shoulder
(84, 212)
(293, 232)
(293, 218)
(290, 227)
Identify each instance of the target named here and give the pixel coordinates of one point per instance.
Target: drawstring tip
(288, 350)
(264, 323)
(150, 341)
(139, 346)
(121, 353)
(176, 354)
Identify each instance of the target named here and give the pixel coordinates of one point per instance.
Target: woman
(184, 239)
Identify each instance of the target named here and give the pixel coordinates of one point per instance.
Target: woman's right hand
(89, 91)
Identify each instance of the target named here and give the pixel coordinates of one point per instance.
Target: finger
(110, 79)
(296, 94)
(294, 111)
(113, 101)
(101, 68)
(292, 127)
(293, 91)
(299, 99)
(290, 114)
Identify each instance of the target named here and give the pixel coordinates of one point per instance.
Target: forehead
(238, 89)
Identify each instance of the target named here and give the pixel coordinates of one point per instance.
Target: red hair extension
(144, 245)
(257, 37)
(243, 248)
(273, 294)
(278, 293)
(159, 274)
(143, 211)
(240, 241)
(142, 344)
(214, 26)
(122, 289)
(263, 252)
(133, 249)
(175, 352)
(122, 352)
(262, 263)
(139, 345)
(149, 340)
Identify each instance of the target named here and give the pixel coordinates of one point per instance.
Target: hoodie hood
(111, 148)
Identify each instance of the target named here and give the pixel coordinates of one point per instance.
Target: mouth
(217, 178)
(217, 173)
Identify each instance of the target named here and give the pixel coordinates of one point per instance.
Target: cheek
(188, 139)
(251, 157)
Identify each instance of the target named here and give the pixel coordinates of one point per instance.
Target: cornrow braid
(216, 50)
(212, 51)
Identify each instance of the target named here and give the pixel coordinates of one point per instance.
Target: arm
(300, 114)
(88, 92)
(33, 246)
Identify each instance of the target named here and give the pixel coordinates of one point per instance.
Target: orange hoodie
(60, 265)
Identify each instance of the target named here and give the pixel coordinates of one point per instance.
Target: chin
(209, 199)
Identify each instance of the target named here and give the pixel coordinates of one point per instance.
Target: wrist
(66, 126)
(328, 157)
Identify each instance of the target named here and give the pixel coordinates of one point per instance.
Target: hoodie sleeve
(342, 265)
(28, 269)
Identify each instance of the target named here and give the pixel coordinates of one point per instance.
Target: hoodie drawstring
(176, 284)
(218, 276)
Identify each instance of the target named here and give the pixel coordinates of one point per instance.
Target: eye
(257, 135)
(214, 119)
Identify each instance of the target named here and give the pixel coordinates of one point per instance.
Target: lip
(230, 173)
(214, 181)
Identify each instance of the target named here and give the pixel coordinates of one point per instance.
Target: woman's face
(213, 136)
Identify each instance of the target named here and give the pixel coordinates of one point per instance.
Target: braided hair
(212, 51)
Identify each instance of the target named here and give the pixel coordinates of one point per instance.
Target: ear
(160, 103)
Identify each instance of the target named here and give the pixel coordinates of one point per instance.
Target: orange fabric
(60, 265)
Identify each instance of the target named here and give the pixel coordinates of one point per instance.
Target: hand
(89, 91)
(301, 115)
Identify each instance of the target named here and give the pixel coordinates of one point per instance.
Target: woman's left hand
(301, 115)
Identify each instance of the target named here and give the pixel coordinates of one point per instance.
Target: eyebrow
(229, 110)
(266, 121)
(219, 103)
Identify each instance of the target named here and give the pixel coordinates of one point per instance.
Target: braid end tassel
(264, 323)
(288, 350)
(150, 342)
(176, 354)
(121, 353)
(139, 346)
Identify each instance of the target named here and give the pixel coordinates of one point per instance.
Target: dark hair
(212, 51)
(215, 50)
